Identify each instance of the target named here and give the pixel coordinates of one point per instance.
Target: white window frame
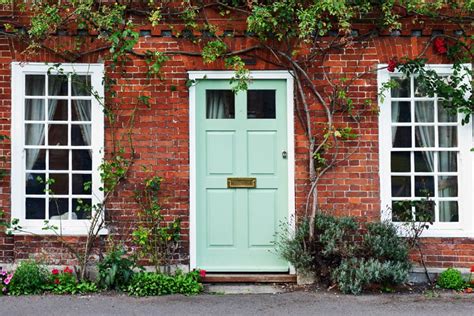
(19, 70)
(465, 226)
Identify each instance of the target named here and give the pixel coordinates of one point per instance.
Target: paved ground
(296, 303)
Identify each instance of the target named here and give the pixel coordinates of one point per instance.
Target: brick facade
(161, 136)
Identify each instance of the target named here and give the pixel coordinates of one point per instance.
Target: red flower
(440, 45)
(67, 270)
(56, 281)
(55, 271)
(392, 64)
(202, 273)
(472, 269)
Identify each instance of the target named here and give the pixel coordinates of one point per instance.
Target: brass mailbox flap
(241, 182)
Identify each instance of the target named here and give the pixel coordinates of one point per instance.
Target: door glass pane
(34, 110)
(34, 134)
(424, 136)
(59, 159)
(78, 182)
(34, 84)
(261, 104)
(402, 89)
(424, 186)
(424, 111)
(59, 209)
(81, 85)
(448, 186)
(60, 183)
(448, 136)
(81, 110)
(401, 136)
(57, 85)
(81, 160)
(448, 161)
(424, 161)
(35, 183)
(401, 111)
(444, 114)
(81, 135)
(57, 135)
(57, 110)
(401, 186)
(400, 161)
(35, 159)
(220, 104)
(448, 211)
(81, 208)
(35, 208)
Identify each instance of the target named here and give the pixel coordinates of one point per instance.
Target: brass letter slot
(241, 182)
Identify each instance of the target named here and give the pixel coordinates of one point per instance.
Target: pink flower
(7, 280)
(67, 270)
(440, 45)
(392, 64)
(202, 273)
(55, 271)
(56, 281)
(3, 273)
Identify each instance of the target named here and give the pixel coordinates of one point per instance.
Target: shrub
(151, 284)
(65, 282)
(116, 269)
(29, 278)
(451, 279)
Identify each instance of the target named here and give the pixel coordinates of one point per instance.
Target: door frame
(258, 74)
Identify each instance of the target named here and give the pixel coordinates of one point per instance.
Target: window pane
(58, 209)
(78, 182)
(220, 104)
(35, 183)
(59, 159)
(403, 88)
(81, 85)
(34, 84)
(448, 136)
(34, 110)
(81, 135)
(57, 110)
(261, 104)
(424, 186)
(448, 186)
(34, 134)
(81, 110)
(424, 111)
(401, 211)
(444, 114)
(424, 136)
(401, 136)
(400, 161)
(401, 111)
(448, 161)
(424, 161)
(448, 211)
(57, 135)
(57, 85)
(35, 159)
(61, 183)
(425, 211)
(420, 90)
(35, 208)
(81, 208)
(81, 160)
(401, 186)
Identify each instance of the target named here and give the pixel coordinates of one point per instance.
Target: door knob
(284, 154)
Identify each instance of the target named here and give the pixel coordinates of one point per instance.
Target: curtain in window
(395, 116)
(83, 111)
(425, 134)
(216, 105)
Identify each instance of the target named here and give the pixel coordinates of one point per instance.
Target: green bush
(65, 282)
(116, 269)
(29, 278)
(152, 284)
(451, 279)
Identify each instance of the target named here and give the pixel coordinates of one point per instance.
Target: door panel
(240, 135)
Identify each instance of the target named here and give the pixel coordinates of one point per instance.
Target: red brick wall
(161, 139)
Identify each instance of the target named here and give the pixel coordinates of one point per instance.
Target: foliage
(156, 238)
(116, 269)
(451, 279)
(151, 283)
(29, 278)
(65, 282)
(380, 257)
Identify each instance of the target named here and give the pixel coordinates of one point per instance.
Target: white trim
(69, 226)
(465, 226)
(271, 74)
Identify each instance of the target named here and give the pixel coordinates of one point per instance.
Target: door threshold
(222, 277)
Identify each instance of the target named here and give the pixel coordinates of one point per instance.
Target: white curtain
(395, 117)
(216, 105)
(425, 134)
(83, 111)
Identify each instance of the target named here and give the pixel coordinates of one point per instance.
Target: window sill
(436, 232)
(73, 229)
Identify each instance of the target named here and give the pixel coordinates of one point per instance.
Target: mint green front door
(240, 135)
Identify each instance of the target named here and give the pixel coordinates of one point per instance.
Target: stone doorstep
(236, 288)
(249, 278)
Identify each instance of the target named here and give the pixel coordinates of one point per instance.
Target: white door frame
(264, 74)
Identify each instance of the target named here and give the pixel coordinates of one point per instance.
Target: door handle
(284, 154)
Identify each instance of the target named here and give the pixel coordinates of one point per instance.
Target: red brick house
(206, 142)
